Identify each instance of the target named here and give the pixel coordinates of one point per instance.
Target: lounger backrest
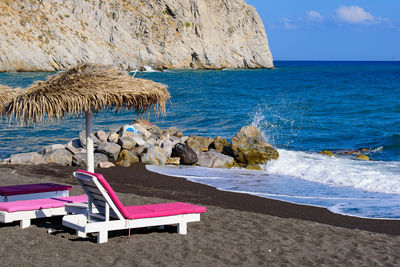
(99, 194)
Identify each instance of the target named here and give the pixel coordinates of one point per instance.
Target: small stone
(185, 153)
(113, 138)
(254, 167)
(174, 131)
(184, 139)
(326, 153)
(179, 133)
(60, 156)
(72, 149)
(156, 132)
(127, 142)
(50, 148)
(31, 158)
(138, 150)
(100, 157)
(165, 136)
(199, 143)
(138, 139)
(135, 130)
(363, 157)
(173, 161)
(102, 136)
(110, 149)
(128, 155)
(82, 138)
(168, 146)
(249, 147)
(123, 163)
(75, 143)
(81, 159)
(214, 159)
(154, 156)
(105, 165)
(219, 144)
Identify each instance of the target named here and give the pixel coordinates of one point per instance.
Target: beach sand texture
(226, 236)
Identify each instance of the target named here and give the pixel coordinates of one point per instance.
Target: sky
(331, 29)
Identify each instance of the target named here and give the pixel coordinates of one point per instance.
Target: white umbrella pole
(89, 142)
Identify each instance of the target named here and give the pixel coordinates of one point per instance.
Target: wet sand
(237, 229)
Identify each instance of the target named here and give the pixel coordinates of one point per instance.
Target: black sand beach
(237, 229)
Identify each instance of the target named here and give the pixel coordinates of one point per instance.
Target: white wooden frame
(24, 217)
(109, 218)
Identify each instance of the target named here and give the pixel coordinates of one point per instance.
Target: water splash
(276, 125)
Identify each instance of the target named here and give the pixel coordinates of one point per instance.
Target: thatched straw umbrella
(86, 89)
(6, 94)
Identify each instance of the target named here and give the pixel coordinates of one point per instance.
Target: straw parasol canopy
(6, 94)
(86, 89)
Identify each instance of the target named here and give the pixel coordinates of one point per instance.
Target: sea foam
(346, 186)
(374, 176)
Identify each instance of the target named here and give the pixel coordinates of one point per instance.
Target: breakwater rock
(142, 142)
(351, 153)
(48, 35)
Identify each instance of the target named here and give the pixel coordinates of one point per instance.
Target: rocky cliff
(46, 35)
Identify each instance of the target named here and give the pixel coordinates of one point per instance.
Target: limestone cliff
(46, 35)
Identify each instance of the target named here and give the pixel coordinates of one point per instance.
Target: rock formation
(248, 149)
(48, 35)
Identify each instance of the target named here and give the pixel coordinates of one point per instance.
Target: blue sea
(301, 107)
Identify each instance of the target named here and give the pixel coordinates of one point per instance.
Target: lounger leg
(25, 223)
(102, 237)
(182, 228)
(80, 234)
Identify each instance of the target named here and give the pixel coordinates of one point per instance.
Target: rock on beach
(249, 147)
(59, 156)
(32, 158)
(143, 142)
(186, 154)
(214, 159)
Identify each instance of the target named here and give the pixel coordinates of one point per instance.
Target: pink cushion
(110, 192)
(32, 188)
(146, 211)
(165, 209)
(37, 204)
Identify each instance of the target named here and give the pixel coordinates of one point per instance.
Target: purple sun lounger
(25, 210)
(112, 215)
(33, 191)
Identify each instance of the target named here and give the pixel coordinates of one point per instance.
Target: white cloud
(314, 16)
(287, 23)
(354, 15)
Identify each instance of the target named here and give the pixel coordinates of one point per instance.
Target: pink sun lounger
(112, 215)
(25, 210)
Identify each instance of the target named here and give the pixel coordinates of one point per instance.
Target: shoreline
(151, 184)
(236, 230)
